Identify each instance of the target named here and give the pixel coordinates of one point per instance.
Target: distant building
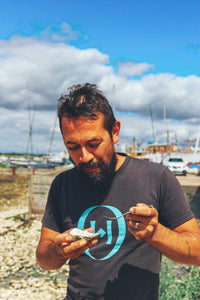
(161, 148)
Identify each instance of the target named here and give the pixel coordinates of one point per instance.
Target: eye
(74, 148)
(93, 146)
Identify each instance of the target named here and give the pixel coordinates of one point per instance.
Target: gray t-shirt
(118, 266)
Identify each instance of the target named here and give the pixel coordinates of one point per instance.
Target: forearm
(47, 256)
(181, 247)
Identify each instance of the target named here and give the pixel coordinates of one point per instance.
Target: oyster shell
(78, 234)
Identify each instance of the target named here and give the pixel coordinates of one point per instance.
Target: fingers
(65, 238)
(89, 229)
(62, 238)
(142, 232)
(143, 210)
(142, 221)
(75, 249)
(72, 249)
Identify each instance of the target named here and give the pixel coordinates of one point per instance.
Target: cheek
(74, 157)
(106, 153)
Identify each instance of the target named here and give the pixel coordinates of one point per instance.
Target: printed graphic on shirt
(106, 232)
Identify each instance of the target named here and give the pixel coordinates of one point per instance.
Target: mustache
(89, 165)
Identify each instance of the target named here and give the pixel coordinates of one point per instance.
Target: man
(124, 263)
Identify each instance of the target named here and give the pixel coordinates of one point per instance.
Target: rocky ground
(20, 276)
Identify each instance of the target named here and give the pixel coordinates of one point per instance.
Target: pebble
(20, 276)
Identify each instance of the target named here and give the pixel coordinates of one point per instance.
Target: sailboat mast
(152, 123)
(52, 135)
(164, 117)
(114, 98)
(196, 146)
(31, 119)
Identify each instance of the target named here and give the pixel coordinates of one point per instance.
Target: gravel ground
(20, 276)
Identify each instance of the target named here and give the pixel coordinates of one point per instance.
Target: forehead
(83, 127)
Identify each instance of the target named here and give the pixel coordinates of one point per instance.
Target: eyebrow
(70, 143)
(92, 140)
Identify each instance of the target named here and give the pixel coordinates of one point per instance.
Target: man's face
(90, 146)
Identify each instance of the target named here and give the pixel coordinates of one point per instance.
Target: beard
(103, 178)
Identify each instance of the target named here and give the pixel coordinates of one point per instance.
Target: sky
(144, 56)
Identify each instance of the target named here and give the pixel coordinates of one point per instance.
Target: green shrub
(179, 281)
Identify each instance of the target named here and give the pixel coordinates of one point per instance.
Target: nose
(86, 156)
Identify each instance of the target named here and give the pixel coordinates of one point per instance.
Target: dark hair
(85, 100)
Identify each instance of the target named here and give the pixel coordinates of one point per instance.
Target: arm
(180, 244)
(54, 249)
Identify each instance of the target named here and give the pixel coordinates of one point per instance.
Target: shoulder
(66, 174)
(140, 172)
(142, 165)
(65, 177)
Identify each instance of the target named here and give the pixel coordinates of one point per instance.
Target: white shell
(78, 234)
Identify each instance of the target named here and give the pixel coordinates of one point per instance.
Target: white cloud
(178, 94)
(130, 69)
(60, 33)
(36, 72)
(15, 131)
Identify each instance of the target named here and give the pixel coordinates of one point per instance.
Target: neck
(120, 160)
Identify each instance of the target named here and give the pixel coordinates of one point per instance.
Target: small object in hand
(126, 213)
(78, 234)
(136, 225)
(115, 218)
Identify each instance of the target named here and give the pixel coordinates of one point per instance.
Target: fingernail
(64, 244)
(132, 210)
(94, 242)
(83, 243)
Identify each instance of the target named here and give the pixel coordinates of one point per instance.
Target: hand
(142, 221)
(71, 250)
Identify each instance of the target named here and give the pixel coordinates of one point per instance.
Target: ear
(115, 131)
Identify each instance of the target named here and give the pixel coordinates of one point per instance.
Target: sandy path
(189, 180)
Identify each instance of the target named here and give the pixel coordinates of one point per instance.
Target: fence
(38, 192)
(39, 185)
(12, 173)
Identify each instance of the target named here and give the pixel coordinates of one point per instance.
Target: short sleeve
(50, 218)
(174, 209)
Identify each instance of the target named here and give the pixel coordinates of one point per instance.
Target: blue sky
(150, 50)
(163, 33)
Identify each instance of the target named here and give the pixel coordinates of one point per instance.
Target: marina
(159, 153)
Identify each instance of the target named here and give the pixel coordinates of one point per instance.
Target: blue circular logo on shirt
(121, 232)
